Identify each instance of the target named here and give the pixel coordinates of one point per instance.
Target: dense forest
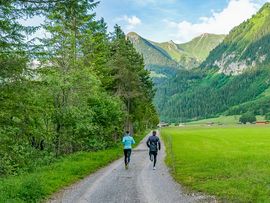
(75, 89)
(200, 96)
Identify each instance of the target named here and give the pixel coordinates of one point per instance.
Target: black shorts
(153, 153)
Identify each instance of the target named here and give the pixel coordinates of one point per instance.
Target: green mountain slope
(246, 46)
(211, 95)
(157, 60)
(170, 54)
(182, 57)
(235, 77)
(153, 55)
(200, 46)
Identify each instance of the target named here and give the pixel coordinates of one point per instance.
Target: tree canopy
(75, 89)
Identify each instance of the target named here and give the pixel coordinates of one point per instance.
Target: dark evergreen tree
(132, 82)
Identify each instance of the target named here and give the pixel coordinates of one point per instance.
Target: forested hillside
(201, 96)
(247, 46)
(75, 89)
(153, 55)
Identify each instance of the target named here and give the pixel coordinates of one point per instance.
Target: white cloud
(130, 21)
(133, 20)
(219, 22)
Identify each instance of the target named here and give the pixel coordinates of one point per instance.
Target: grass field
(227, 120)
(232, 163)
(44, 181)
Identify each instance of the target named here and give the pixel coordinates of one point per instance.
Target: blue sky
(177, 20)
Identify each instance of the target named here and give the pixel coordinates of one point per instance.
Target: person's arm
(123, 141)
(148, 142)
(133, 141)
(159, 145)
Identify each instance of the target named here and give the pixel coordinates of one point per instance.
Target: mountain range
(171, 55)
(212, 74)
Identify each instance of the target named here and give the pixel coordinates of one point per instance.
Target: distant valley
(212, 75)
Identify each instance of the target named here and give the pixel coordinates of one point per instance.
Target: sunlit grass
(224, 120)
(231, 163)
(46, 180)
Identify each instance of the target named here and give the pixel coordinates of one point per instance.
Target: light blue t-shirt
(128, 141)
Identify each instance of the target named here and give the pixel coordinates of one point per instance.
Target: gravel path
(139, 184)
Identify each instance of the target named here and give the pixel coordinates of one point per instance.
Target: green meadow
(231, 163)
(226, 120)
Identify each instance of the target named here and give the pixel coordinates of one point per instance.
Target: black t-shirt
(153, 143)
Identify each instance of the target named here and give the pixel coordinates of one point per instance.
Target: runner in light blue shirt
(127, 141)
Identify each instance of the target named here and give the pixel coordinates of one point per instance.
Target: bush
(18, 156)
(267, 116)
(247, 118)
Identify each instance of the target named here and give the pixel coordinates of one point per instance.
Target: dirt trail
(140, 183)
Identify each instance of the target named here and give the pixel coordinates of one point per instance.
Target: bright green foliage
(230, 163)
(58, 95)
(15, 85)
(247, 118)
(83, 115)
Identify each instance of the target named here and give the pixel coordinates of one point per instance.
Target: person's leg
(150, 156)
(128, 155)
(155, 158)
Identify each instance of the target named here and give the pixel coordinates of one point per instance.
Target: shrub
(31, 190)
(247, 118)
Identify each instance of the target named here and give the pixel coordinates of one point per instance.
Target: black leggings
(154, 154)
(127, 153)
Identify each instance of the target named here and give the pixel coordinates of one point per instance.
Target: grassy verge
(45, 181)
(231, 163)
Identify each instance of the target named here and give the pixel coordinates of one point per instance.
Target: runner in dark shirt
(153, 144)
